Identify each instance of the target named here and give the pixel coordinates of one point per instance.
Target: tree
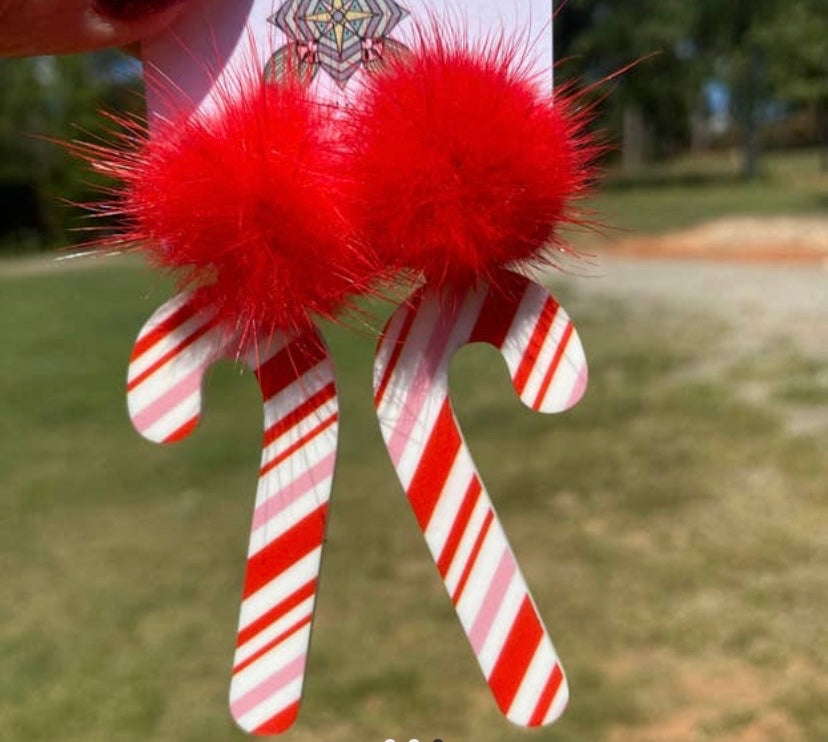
(651, 104)
(726, 31)
(794, 41)
(46, 100)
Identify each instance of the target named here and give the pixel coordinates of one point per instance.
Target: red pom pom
(244, 204)
(463, 164)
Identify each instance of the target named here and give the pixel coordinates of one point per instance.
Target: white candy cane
(296, 377)
(465, 537)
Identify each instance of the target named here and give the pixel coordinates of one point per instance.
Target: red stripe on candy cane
(432, 473)
(284, 551)
(166, 324)
(301, 623)
(539, 336)
(458, 527)
(170, 355)
(296, 377)
(553, 367)
(278, 611)
(478, 546)
(280, 722)
(397, 341)
(523, 639)
(550, 690)
(453, 509)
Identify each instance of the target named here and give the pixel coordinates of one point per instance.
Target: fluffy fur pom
(463, 164)
(243, 204)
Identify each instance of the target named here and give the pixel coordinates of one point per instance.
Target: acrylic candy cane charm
(296, 378)
(466, 539)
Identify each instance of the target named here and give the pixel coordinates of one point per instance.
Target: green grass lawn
(674, 537)
(690, 190)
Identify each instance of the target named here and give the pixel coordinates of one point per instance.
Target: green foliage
(687, 191)
(604, 37)
(794, 40)
(762, 49)
(46, 101)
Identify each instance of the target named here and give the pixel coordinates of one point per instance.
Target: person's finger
(29, 27)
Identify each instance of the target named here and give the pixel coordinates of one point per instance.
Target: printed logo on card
(336, 36)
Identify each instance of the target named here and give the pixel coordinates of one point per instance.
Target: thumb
(34, 27)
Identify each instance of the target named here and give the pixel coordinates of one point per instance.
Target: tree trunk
(751, 145)
(750, 149)
(634, 138)
(699, 132)
(822, 133)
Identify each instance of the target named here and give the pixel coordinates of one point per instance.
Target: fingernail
(131, 10)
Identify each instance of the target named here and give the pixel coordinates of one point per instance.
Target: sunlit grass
(691, 190)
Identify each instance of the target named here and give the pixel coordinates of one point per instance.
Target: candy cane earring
(242, 202)
(296, 377)
(466, 169)
(453, 509)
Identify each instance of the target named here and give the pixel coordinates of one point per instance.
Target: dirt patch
(759, 302)
(772, 317)
(741, 239)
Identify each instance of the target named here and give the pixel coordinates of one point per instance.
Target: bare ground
(757, 300)
(785, 239)
(766, 277)
(766, 310)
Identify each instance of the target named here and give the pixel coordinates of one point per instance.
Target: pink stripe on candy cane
(268, 688)
(579, 388)
(493, 600)
(169, 400)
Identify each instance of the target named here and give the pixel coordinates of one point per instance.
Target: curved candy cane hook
(465, 537)
(296, 377)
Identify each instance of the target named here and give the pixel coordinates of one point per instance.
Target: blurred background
(674, 527)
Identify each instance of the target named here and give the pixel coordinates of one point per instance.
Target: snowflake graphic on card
(337, 36)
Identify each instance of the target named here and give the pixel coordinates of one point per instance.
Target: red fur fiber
(453, 162)
(462, 164)
(244, 204)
